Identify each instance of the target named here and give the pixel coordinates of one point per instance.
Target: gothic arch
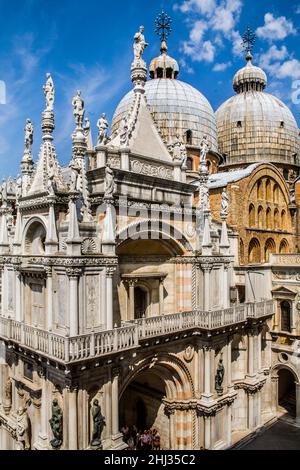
(175, 374)
(254, 251)
(269, 218)
(165, 232)
(260, 217)
(34, 236)
(289, 367)
(270, 247)
(251, 215)
(284, 246)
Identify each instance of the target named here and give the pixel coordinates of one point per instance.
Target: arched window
(189, 164)
(269, 218)
(254, 253)
(268, 190)
(270, 248)
(189, 137)
(276, 193)
(276, 219)
(260, 194)
(251, 215)
(285, 310)
(284, 246)
(260, 216)
(283, 220)
(242, 252)
(35, 239)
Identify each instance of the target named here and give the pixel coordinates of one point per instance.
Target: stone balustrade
(71, 349)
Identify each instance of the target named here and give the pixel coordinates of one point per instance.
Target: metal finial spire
(163, 26)
(249, 38)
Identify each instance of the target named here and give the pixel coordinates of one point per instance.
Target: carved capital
(110, 271)
(74, 272)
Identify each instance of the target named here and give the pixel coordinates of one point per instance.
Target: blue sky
(88, 46)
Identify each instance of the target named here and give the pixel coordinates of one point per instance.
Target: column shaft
(73, 306)
(109, 303)
(73, 432)
(49, 302)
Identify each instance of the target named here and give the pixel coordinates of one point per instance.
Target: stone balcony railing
(71, 349)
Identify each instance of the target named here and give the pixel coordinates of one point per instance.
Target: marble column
(18, 296)
(161, 296)
(251, 354)
(73, 274)
(228, 425)
(297, 385)
(115, 402)
(49, 290)
(229, 366)
(131, 285)
(73, 429)
(258, 347)
(225, 287)
(207, 432)
(274, 392)
(207, 395)
(206, 290)
(109, 298)
(42, 443)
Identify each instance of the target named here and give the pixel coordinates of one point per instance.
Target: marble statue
(98, 424)
(88, 133)
(219, 378)
(109, 183)
(28, 136)
(51, 183)
(139, 44)
(75, 171)
(204, 149)
(78, 105)
(4, 192)
(224, 203)
(184, 156)
(176, 148)
(123, 131)
(102, 125)
(56, 424)
(49, 93)
(204, 199)
(8, 390)
(23, 428)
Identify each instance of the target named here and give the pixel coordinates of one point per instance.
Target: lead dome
(176, 107)
(256, 126)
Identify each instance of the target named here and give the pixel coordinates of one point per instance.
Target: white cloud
(275, 28)
(198, 31)
(218, 20)
(278, 62)
(236, 43)
(200, 52)
(226, 16)
(298, 10)
(202, 6)
(221, 67)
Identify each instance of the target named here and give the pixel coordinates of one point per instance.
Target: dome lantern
(163, 66)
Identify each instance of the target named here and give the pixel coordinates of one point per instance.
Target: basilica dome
(255, 126)
(176, 107)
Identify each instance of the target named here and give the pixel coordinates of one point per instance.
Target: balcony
(64, 349)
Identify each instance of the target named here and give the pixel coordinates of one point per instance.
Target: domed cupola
(249, 78)
(177, 108)
(164, 66)
(254, 126)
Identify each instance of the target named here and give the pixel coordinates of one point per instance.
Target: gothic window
(283, 220)
(270, 248)
(242, 252)
(260, 217)
(35, 239)
(251, 215)
(276, 193)
(189, 164)
(285, 309)
(189, 137)
(254, 251)
(239, 124)
(268, 190)
(28, 370)
(260, 194)
(269, 218)
(140, 302)
(276, 219)
(284, 246)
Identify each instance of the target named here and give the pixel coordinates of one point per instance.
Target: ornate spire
(77, 164)
(47, 176)
(27, 162)
(163, 26)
